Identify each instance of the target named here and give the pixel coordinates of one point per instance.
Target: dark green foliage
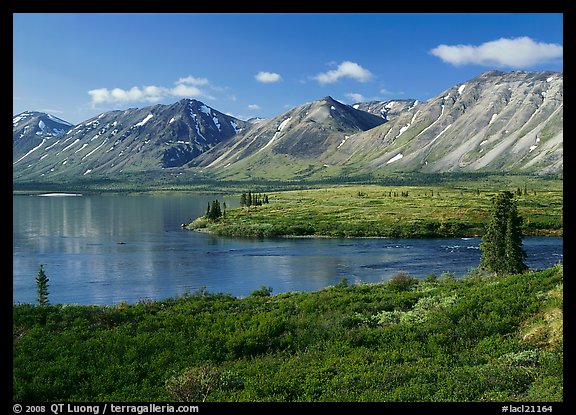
(402, 281)
(214, 212)
(253, 199)
(343, 283)
(42, 287)
(442, 339)
(501, 246)
(263, 291)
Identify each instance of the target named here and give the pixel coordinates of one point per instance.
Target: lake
(104, 249)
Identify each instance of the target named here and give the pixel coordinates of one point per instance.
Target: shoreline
(208, 231)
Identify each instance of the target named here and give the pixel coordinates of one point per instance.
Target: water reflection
(105, 249)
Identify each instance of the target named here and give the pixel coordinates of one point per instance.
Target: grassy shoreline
(384, 211)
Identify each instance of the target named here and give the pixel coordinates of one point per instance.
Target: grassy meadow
(388, 211)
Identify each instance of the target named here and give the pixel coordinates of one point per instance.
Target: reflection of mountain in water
(78, 237)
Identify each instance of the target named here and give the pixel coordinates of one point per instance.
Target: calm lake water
(105, 249)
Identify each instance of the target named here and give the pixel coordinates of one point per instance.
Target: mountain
(155, 137)
(32, 129)
(388, 110)
(287, 145)
(498, 121)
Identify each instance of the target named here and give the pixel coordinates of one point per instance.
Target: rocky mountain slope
(288, 144)
(388, 110)
(32, 128)
(497, 122)
(160, 136)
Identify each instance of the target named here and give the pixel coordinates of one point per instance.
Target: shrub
(194, 384)
(230, 380)
(263, 291)
(446, 277)
(523, 358)
(199, 223)
(432, 277)
(402, 281)
(343, 283)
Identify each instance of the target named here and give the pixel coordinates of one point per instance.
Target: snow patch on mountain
(31, 151)
(216, 123)
(96, 149)
(193, 115)
(346, 137)
(277, 133)
(437, 119)
(235, 126)
(70, 145)
(441, 132)
(395, 158)
(144, 121)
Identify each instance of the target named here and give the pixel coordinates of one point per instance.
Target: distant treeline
(253, 199)
(150, 181)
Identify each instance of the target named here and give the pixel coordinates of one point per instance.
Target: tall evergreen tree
(42, 287)
(215, 211)
(501, 245)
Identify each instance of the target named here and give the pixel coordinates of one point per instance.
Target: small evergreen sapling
(42, 287)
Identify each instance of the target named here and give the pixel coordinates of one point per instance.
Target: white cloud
(192, 81)
(387, 92)
(184, 87)
(518, 52)
(183, 90)
(267, 77)
(253, 107)
(99, 95)
(355, 97)
(346, 69)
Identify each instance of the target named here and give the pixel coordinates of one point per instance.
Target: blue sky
(76, 66)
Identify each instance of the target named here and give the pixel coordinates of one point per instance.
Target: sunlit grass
(390, 211)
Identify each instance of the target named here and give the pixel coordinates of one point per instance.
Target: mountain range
(496, 122)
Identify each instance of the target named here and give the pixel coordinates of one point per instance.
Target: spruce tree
(215, 211)
(42, 287)
(501, 245)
